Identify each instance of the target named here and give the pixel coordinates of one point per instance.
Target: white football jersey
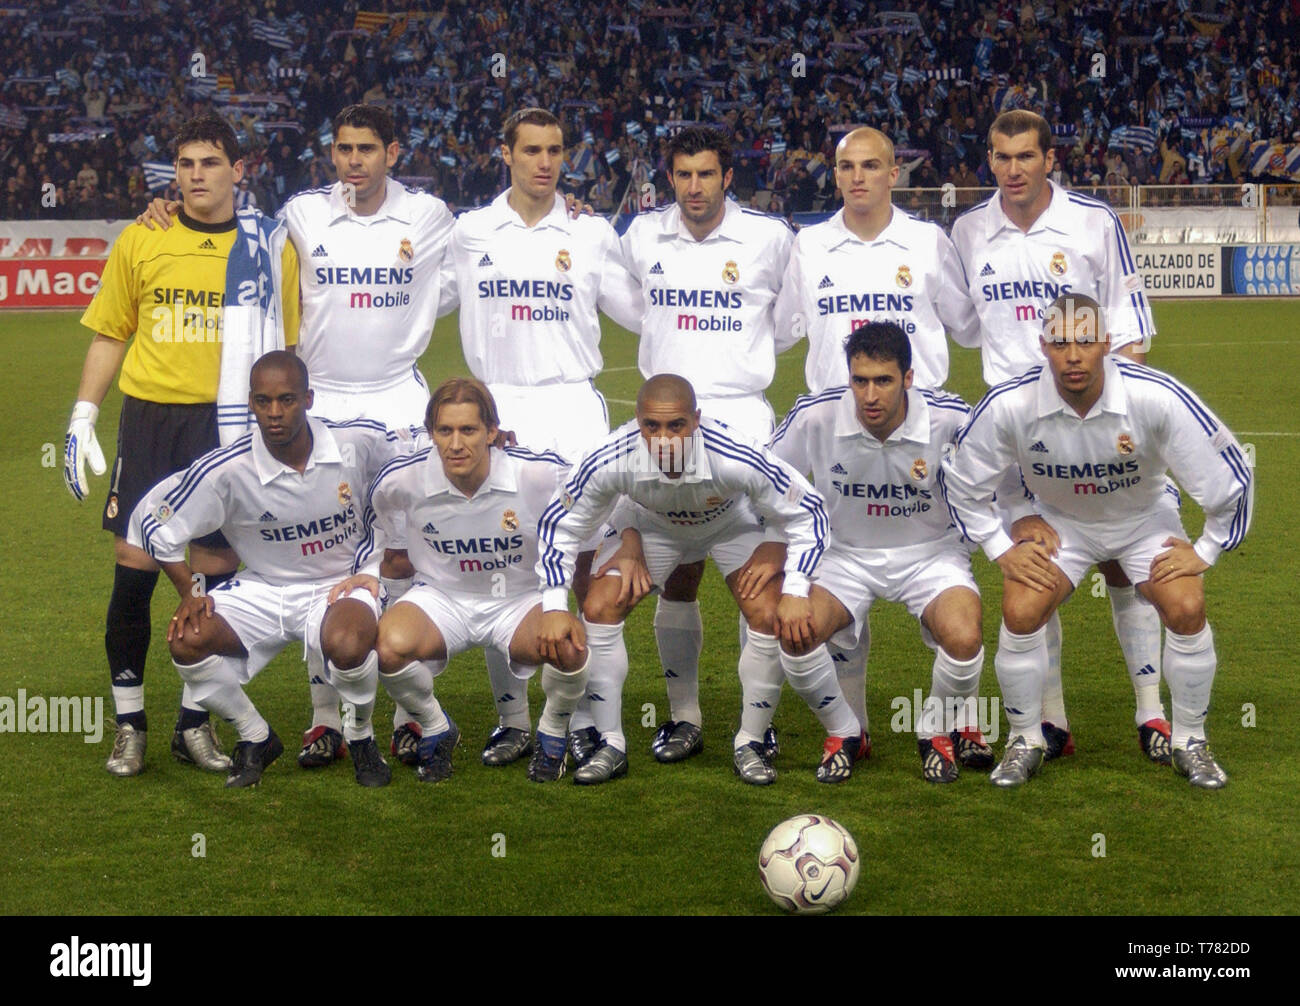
(723, 476)
(879, 495)
(1077, 245)
(1110, 463)
(529, 295)
(480, 546)
(285, 526)
(370, 284)
(708, 304)
(910, 275)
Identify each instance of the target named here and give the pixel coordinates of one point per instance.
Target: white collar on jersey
(503, 214)
(731, 227)
(324, 451)
(895, 231)
(396, 205)
(915, 426)
(1112, 400)
(501, 475)
(1059, 215)
(646, 468)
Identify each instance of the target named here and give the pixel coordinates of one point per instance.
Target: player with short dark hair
(290, 499)
(1093, 435)
(159, 316)
(873, 449)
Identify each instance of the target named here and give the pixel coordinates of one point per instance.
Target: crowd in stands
(1139, 91)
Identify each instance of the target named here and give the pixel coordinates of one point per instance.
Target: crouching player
(874, 449)
(471, 513)
(1094, 436)
(695, 491)
(289, 499)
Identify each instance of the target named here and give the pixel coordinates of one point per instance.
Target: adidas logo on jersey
(485, 261)
(656, 270)
(207, 245)
(267, 515)
(838, 469)
(826, 282)
(1039, 448)
(319, 252)
(429, 528)
(987, 270)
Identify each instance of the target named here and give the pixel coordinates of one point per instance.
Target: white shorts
(267, 618)
(730, 545)
(1134, 541)
(569, 419)
(397, 405)
(466, 621)
(750, 415)
(913, 575)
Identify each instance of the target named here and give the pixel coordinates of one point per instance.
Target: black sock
(126, 633)
(191, 718)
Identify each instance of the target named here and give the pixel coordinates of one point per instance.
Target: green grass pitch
(679, 839)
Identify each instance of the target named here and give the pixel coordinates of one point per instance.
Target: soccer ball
(808, 864)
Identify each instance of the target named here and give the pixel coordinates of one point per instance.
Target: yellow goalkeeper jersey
(167, 289)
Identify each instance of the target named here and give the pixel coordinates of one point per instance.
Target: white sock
(761, 678)
(1137, 627)
(812, 676)
(581, 718)
(187, 697)
(563, 689)
(395, 588)
(1053, 696)
(130, 699)
(851, 669)
(1019, 663)
(412, 687)
(1190, 663)
(214, 685)
(954, 684)
(324, 702)
(357, 686)
(680, 635)
(606, 672)
(510, 692)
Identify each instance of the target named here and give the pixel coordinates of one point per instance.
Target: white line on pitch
(1265, 433)
(616, 370)
(1242, 342)
(620, 401)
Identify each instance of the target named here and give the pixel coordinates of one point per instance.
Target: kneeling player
(471, 514)
(694, 490)
(286, 498)
(881, 439)
(1094, 436)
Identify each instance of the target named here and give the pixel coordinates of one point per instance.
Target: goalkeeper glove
(79, 446)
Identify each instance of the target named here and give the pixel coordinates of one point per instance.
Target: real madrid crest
(731, 272)
(509, 522)
(562, 260)
(903, 277)
(919, 470)
(714, 501)
(1057, 265)
(406, 252)
(111, 510)
(1125, 444)
(345, 494)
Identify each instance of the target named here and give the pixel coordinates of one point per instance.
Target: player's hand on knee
(189, 616)
(557, 629)
(1030, 564)
(344, 587)
(794, 623)
(1034, 528)
(1180, 560)
(80, 445)
(760, 569)
(504, 439)
(628, 564)
(159, 211)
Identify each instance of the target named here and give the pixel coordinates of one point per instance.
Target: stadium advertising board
(54, 263)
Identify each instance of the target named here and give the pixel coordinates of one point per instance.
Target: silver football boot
(752, 764)
(607, 763)
(1019, 764)
(1197, 763)
(200, 746)
(128, 751)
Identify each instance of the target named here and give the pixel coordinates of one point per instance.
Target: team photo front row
(877, 490)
